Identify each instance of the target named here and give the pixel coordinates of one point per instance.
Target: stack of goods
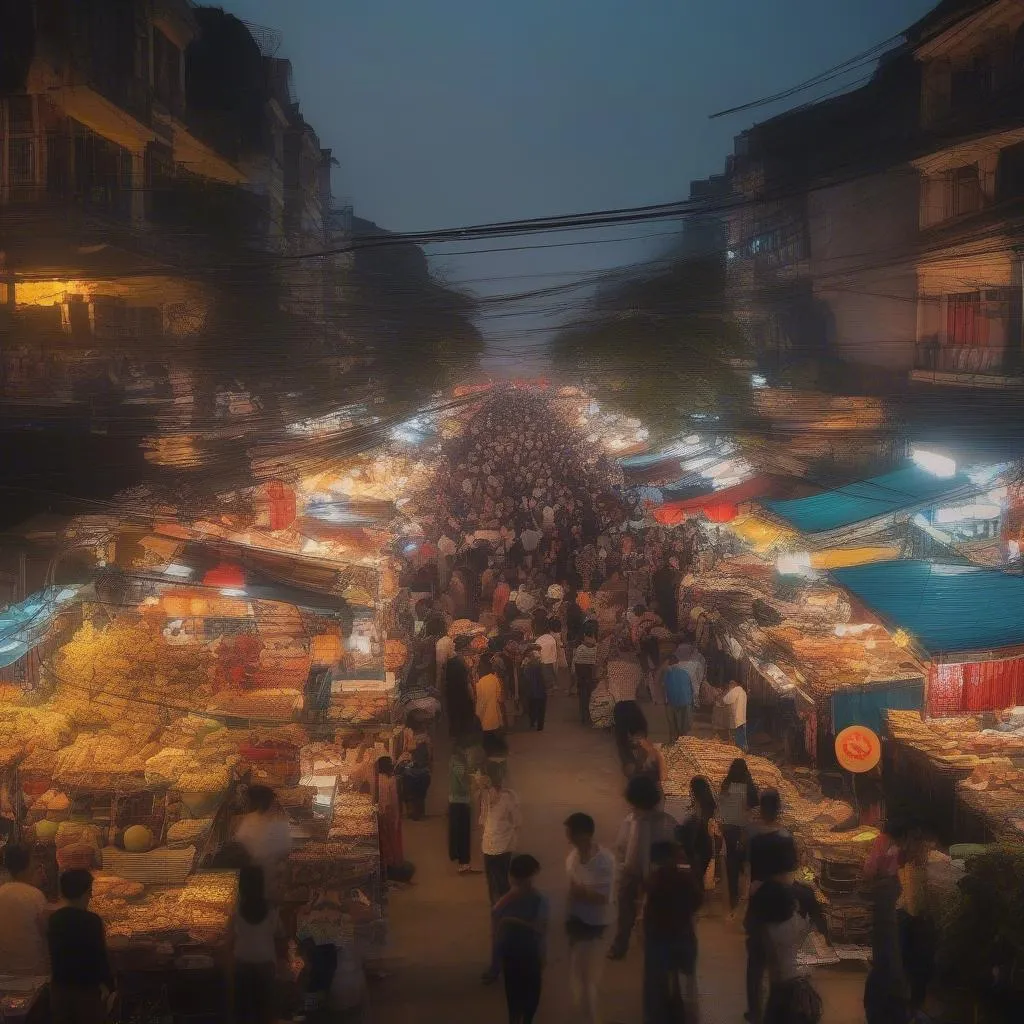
(36, 733)
(354, 708)
(266, 705)
(354, 823)
(128, 672)
(987, 763)
(271, 756)
(810, 820)
(199, 912)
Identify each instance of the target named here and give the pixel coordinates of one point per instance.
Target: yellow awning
(760, 533)
(842, 558)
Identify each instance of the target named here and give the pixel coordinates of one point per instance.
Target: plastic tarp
(25, 624)
(867, 705)
(720, 506)
(946, 608)
(841, 558)
(902, 490)
(964, 689)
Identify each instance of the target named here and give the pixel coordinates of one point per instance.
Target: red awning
(719, 506)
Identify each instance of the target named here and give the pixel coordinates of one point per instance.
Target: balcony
(969, 366)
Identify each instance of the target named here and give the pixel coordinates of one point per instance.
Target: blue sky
(449, 112)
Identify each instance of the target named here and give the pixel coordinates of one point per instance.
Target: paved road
(440, 924)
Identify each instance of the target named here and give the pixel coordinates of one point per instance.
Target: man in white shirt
(500, 818)
(589, 912)
(735, 698)
(23, 914)
(547, 644)
(265, 834)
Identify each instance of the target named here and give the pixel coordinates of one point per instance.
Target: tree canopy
(658, 345)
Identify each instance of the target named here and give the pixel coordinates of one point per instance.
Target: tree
(658, 345)
(419, 332)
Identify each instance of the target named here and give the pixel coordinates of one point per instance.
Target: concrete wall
(862, 235)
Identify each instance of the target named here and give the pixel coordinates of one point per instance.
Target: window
(965, 325)
(971, 83)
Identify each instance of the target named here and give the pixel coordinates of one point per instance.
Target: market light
(794, 563)
(758, 380)
(961, 513)
(232, 592)
(178, 571)
(933, 462)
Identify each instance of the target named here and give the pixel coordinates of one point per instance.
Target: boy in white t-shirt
(735, 698)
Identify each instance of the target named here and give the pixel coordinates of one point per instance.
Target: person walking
(257, 948)
(698, 831)
(460, 797)
(625, 677)
(535, 687)
(81, 981)
(548, 642)
(590, 910)
(23, 911)
(771, 854)
(680, 699)
(458, 692)
(670, 938)
(520, 931)
(584, 669)
(786, 913)
(738, 801)
(489, 699)
(645, 824)
(500, 819)
(735, 699)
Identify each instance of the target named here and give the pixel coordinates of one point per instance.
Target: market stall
(831, 860)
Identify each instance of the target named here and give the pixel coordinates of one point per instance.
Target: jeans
(734, 856)
(522, 988)
(669, 980)
(254, 993)
(680, 721)
(585, 687)
(537, 709)
(630, 887)
(740, 734)
(586, 962)
(459, 832)
(496, 871)
(755, 978)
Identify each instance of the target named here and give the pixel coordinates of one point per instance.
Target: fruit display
(358, 708)
(271, 704)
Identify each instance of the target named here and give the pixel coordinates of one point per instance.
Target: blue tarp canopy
(866, 705)
(23, 625)
(902, 490)
(946, 608)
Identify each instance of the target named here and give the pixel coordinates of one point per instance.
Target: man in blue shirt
(679, 699)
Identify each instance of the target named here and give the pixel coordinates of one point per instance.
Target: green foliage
(985, 927)
(658, 346)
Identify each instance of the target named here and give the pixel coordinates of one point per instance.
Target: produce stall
(831, 860)
(809, 670)
(964, 775)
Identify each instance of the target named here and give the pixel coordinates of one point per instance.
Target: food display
(810, 820)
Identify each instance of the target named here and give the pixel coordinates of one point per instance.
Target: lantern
(325, 649)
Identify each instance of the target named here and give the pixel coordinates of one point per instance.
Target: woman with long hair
(257, 948)
(696, 834)
(739, 798)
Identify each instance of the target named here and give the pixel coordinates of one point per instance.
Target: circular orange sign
(858, 749)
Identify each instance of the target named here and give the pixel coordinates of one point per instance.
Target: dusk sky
(451, 112)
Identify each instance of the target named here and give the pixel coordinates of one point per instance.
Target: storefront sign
(858, 749)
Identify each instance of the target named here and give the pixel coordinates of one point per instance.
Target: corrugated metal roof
(902, 490)
(946, 608)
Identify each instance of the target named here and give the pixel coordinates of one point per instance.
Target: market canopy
(946, 608)
(894, 494)
(25, 624)
(719, 506)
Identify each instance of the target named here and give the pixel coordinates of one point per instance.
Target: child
(256, 950)
(520, 925)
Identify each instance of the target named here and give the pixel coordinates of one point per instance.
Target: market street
(439, 925)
